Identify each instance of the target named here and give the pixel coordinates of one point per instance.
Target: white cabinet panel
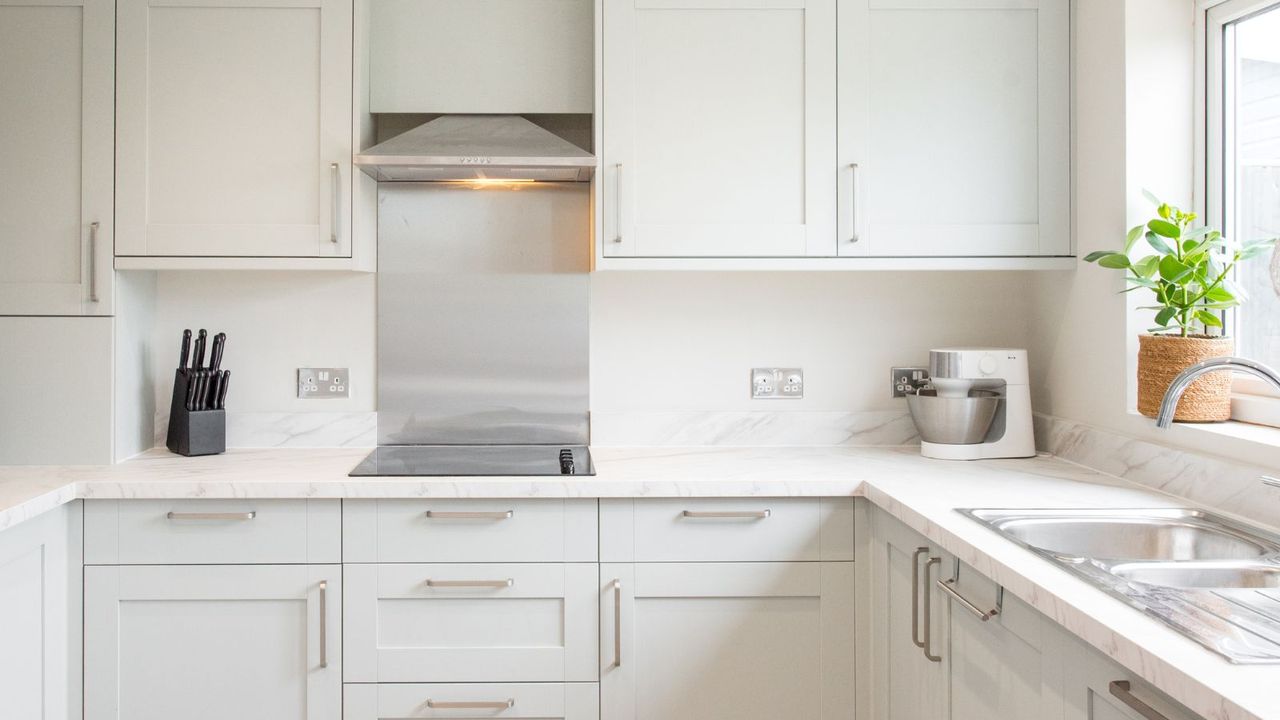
(1087, 688)
(750, 641)
(57, 60)
(535, 57)
(40, 595)
(470, 531)
(231, 117)
(213, 642)
(956, 115)
(471, 623)
(719, 128)
(518, 701)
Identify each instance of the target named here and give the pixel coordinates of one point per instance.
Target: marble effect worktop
(920, 492)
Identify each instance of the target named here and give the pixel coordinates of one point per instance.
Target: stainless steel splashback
(483, 313)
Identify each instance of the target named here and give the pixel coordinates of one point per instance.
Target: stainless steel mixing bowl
(953, 421)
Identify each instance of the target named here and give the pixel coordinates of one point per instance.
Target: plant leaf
(1172, 270)
(1134, 233)
(1165, 228)
(1158, 244)
(1118, 261)
(1208, 318)
(1164, 316)
(1147, 266)
(1097, 255)
(1151, 197)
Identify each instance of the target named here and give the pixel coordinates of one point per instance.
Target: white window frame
(1252, 400)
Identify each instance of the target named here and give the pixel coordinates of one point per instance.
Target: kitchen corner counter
(920, 492)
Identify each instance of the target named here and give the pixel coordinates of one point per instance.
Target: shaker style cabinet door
(909, 657)
(954, 132)
(250, 642)
(718, 128)
(749, 641)
(57, 60)
(234, 128)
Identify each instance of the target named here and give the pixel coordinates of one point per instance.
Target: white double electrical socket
(777, 383)
(323, 383)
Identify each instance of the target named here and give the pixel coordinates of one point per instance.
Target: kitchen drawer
(544, 701)
(208, 532)
(470, 531)
(470, 622)
(726, 529)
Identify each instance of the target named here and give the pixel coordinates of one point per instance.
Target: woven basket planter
(1162, 357)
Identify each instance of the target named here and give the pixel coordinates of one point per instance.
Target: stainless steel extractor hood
(477, 147)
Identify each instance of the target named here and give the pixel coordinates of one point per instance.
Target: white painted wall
(687, 341)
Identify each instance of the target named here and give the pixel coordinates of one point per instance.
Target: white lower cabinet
(1094, 688)
(40, 617)
(745, 640)
(457, 622)
(250, 642)
(511, 701)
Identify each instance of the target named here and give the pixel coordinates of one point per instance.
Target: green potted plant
(1189, 274)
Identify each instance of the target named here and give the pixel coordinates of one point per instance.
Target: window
(1242, 89)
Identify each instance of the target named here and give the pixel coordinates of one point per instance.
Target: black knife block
(194, 432)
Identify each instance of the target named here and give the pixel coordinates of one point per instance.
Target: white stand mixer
(980, 406)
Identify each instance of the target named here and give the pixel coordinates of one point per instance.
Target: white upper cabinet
(234, 128)
(954, 135)
(56, 68)
(718, 128)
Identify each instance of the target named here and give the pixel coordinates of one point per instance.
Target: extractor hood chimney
(477, 148)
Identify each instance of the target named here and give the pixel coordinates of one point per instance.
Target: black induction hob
(476, 461)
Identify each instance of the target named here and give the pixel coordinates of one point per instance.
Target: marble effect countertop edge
(895, 480)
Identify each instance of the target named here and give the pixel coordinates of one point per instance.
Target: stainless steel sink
(1173, 534)
(1211, 578)
(1201, 574)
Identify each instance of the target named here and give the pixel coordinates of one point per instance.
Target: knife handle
(191, 391)
(198, 363)
(186, 350)
(215, 356)
(221, 403)
(202, 388)
(211, 395)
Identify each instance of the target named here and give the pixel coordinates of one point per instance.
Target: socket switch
(314, 383)
(777, 383)
(907, 380)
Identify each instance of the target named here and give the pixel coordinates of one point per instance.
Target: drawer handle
(617, 623)
(471, 583)
(212, 515)
(915, 596)
(948, 587)
(324, 623)
(729, 514)
(450, 515)
(472, 704)
(1124, 692)
(928, 612)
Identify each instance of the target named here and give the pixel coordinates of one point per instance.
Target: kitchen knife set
(206, 387)
(197, 419)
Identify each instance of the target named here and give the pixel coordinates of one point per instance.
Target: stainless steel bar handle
(212, 515)
(471, 704)
(1124, 693)
(452, 515)
(915, 596)
(617, 623)
(93, 260)
(928, 611)
(738, 514)
(324, 623)
(948, 587)
(471, 583)
(335, 215)
(617, 204)
(853, 204)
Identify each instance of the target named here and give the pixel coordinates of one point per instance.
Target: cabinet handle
(948, 587)
(617, 623)
(617, 204)
(451, 515)
(853, 203)
(212, 515)
(471, 583)
(335, 182)
(928, 611)
(93, 260)
(732, 514)
(324, 623)
(915, 596)
(1124, 692)
(471, 704)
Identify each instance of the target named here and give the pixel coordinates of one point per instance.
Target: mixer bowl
(953, 420)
